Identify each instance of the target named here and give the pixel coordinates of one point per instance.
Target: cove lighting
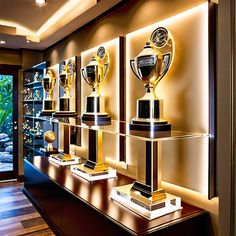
(2, 42)
(40, 2)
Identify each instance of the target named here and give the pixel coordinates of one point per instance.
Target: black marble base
(96, 119)
(65, 114)
(64, 104)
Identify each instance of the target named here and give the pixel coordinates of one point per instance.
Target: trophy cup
(66, 80)
(48, 83)
(94, 73)
(145, 197)
(150, 66)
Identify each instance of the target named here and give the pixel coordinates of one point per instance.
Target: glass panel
(123, 129)
(6, 129)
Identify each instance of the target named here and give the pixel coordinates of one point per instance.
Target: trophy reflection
(66, 80)
(150, 66)
(94, 73)
(48, 83)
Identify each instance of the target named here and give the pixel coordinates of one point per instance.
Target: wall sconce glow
(2, 42)
(196, 17)
(40, 2)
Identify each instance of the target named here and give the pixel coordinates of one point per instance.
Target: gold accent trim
(156, 197)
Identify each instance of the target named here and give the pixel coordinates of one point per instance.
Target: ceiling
(23, 24)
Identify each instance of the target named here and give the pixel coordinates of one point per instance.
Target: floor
(17, 215)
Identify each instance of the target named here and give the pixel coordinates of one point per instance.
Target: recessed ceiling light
(2, 42)
(40, 2)
(28, 41)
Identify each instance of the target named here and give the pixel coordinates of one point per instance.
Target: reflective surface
(122, 128)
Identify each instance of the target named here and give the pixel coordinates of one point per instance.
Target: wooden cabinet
(73, 206)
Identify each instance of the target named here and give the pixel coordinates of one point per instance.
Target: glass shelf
(33, 135)
(121, 128)
(34, 118)
(34, 84)
(33, 101)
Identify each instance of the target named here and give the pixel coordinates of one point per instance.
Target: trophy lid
(149, 49)
(93, 62)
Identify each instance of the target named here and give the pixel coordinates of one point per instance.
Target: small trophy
(48, 84)
(94, 73)
(37, 77)
(66, 80)
(38, 130)
(49, 137)
(150, 66)
(37, 96)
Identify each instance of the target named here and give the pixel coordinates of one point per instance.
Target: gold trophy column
(148, 193)
(95, 152)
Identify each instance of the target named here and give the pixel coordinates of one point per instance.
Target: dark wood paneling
(212, 101)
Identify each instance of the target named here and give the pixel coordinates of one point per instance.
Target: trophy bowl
(150, 66)
(48, 83)
(93, 74)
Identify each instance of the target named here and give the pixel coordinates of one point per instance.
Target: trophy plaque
(66, 81)
(150, 66)
(48, 83)
(94, 73)
(146, 197)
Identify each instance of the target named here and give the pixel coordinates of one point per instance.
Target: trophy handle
(106, 70)
(83, 73)
(82, 70)
(166, 64)
(132, 65)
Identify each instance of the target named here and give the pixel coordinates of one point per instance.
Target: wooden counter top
(96, 195)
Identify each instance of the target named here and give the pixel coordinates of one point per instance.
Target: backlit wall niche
(110, 90)
(184, 91)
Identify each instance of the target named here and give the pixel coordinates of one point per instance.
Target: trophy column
(149, 193)
(150, 66)
(94, 168)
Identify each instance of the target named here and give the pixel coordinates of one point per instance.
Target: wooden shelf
(69, 202)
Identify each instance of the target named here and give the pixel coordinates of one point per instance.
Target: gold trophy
(150, 66)
(48, 83)
(66, 80)
(50, 137)
(94, 73)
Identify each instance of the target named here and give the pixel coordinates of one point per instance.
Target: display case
(101, 197)
(34, 126)
(142, 203)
